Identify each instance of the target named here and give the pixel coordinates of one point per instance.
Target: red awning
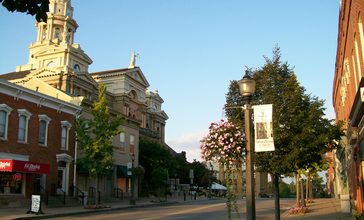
(9, 165)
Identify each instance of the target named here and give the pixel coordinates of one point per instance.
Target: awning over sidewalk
(9, 165)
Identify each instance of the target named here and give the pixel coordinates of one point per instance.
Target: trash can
(85, 197)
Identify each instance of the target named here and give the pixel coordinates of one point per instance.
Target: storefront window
(11, 183)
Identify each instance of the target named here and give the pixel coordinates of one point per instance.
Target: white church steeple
(54, 47)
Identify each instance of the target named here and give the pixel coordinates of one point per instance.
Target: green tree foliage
(200, 173)
(301, 132)
(159, 180)
(153, 155)
(95, 138)
(39, 8)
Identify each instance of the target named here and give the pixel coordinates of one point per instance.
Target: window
(57, 33)
(77, 68)
(24, 116)
(4, 118)
(11, 182)
(65, 128)
(131, 139)
(122, 139)
(43, 129)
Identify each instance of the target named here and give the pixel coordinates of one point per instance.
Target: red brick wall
(36, 152)
(351, 10)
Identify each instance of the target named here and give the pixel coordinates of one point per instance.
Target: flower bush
(225, 143)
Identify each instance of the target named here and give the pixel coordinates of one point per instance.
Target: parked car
(263, 195)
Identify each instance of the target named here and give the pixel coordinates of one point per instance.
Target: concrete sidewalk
(21, 213)
(321, 209)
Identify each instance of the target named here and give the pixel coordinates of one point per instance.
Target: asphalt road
(195, 210)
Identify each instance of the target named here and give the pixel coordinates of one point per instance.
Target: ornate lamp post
(247, 88)
(132, 199)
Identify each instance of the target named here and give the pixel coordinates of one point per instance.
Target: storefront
(13, 175)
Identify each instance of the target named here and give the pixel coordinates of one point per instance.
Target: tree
(95, 138)
(301, 133)
(200, 173)
(159, 180)
(39, 8)
(153, 155)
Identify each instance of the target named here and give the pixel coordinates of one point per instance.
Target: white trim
(26, 114)
(7, 109)
(47, 120)
(11, 89)
(14, 156)
(67, 126)
(64, 157)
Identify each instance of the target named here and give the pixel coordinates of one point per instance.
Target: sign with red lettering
(23, 166)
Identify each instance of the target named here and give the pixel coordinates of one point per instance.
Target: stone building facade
(59, 67)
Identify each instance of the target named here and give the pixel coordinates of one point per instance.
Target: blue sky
(189, 50)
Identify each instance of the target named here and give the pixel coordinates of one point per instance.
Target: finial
(132, 60)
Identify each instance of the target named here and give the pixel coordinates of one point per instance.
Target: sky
(190, 50)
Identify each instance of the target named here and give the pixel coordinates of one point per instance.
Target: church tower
(55, 58)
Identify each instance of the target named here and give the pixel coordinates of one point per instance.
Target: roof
(15, 75)
(109, 71)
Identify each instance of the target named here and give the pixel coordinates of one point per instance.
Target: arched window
(51, 64)
(57, 33)
(77, 68)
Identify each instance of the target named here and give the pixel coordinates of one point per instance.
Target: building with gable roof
(57, 62)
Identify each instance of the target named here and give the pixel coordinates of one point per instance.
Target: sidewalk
(321, 209)
(20, 213)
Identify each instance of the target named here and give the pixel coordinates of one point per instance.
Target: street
(203, 209)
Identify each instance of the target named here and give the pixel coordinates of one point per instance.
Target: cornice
(19, 92)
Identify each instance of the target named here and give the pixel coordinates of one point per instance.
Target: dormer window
(51, 64)
(77, 68)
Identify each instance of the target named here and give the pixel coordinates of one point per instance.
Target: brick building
(57, 66)
(37, 143)
(345, 177)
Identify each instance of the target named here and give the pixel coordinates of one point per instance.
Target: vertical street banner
(263, 127)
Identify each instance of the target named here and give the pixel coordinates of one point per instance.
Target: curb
(90, 211)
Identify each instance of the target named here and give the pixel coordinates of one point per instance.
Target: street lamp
(132, 199)
(247, 88)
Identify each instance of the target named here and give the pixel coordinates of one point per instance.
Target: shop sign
(23, 166)
(5, 165)
(35, 205)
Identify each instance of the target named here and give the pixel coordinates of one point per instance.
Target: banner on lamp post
(263, 126)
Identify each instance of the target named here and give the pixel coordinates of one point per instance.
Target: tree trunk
(302, 194)
(277, 211)
(297, 190)
(311, 189)
(307, 183)
(97, 190)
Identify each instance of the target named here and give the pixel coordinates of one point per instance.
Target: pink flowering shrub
(225, 143)
(298, 210)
